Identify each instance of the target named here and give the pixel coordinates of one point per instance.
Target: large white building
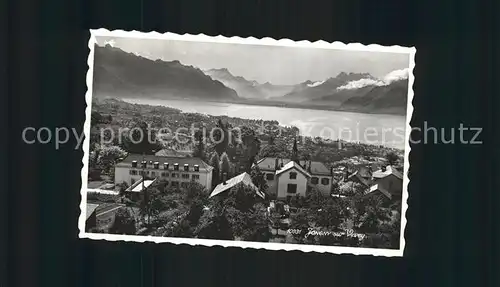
(176, 171)
(286, 178)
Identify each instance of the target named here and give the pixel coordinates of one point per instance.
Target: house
(389, 179)
(226, 185)
(292, 180)
(359, 178)
(91, 217)
(309, 174)
(387, 184)
(380, 193)
(175, 171)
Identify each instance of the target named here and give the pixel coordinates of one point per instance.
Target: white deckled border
(411, 51)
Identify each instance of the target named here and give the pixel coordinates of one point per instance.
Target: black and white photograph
(245, 142)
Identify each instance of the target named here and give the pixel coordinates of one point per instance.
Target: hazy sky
(274, 64)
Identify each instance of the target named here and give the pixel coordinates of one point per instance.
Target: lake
(377, 129)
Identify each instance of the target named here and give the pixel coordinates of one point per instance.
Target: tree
(178, 228)
(214, 224)
(371, 216)
(271, 140)
(314, 198)
(141, 139)
(199, 150)
(295, 152)
(250, 225)
(94, 156)
(300, 221)
(241, 197)
(196, 198)
(124, 223)
(123, 186)
(352, 189)
(251, 146)
(215, 163)
(329, 215)
(95, 118)
(108, 156)
(225, 164)
(153, 203)
(221, 137)
(258, 178)
(392, 158)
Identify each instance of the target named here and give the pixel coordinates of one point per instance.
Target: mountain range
(251, 89)
(127, 75)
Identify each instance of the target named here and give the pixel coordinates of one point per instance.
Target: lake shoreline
(326, 124)
(267, 103)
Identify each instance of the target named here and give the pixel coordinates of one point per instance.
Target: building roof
(357, 177)
(242, 178)
(317, 168)
(377, 187)
(137, 186)
(90, 209)
(293, 165)
(388, 171)
(162, 159)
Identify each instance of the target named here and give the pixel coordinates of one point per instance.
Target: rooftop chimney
(384, 168)
(276, 164)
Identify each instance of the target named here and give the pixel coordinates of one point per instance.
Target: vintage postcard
(245, 142)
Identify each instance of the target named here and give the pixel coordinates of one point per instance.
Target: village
(262, 186)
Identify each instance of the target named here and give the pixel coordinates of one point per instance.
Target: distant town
(255, 184)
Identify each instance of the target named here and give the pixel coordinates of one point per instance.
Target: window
(325, 181)
(314, 180)
(184, 184)
(143, 164)
(195, 176)
(176, 166)
(156, 165)
(293, 175)
(186, 167)
(133, 172)
(164, 174)
(196, 167)
(165, 165)
(153, 173)
(134, 163)
(269, 176)
(291, 188)
(175, 184)
(175, 174)
(185, 176)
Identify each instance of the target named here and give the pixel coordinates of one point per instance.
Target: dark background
(450, 233)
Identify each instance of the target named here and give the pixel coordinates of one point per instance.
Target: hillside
(391, 98)
(316, 90)
(121, 74)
